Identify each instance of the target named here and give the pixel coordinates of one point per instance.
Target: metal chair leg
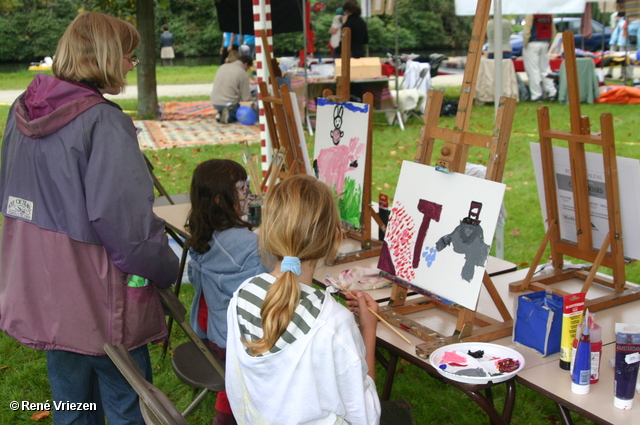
(195, 402)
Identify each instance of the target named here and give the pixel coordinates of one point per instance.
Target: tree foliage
(30, 29)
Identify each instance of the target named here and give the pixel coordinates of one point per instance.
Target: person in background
(166, 41)
(506, 38)
(618, 42)
(633, 44)
(230, 41)
(335, 31)
(224, 253)
(77, 200)
(296, 355)
(248, 40)
(538, 33)
(613, 20)
(230, 87)
(359, 33)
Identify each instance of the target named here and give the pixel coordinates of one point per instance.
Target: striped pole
(262, 21)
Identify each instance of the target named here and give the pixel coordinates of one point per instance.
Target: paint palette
(477, 362)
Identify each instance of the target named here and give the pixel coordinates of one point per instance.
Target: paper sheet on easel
(629, 184)
(440, 231)
(342, 129)
(521, 7)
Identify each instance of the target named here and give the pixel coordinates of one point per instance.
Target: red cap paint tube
(595, 332)
(627, 362)
(581, 374)
(595, 337)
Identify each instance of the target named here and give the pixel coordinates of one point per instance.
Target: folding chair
(193, 362)
(155, 406)
(420, 84)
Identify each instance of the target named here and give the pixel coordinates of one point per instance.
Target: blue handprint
(429, 255)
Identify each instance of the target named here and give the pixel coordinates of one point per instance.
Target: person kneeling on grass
(230, 87)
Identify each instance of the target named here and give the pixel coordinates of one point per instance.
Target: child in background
(297, 355)
(223, 252)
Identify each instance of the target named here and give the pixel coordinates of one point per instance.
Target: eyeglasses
(134, 61)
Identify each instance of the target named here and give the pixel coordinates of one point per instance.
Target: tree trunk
(147, 95)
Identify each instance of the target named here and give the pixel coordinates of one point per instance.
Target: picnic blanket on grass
(188, 133)
(186, 110)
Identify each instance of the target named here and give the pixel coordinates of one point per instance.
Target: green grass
(25, 374)
(164, 75)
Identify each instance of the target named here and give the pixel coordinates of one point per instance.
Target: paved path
(131, 92)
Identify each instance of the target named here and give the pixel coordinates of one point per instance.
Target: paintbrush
(342, 287)
(276, 166)
(247, 157)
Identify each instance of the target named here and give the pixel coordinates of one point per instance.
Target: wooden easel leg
(523, 285)
(466, 319)
(596, 264)
(495, 296)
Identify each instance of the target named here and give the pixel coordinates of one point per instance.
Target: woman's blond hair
(93, 48)
(299, 219)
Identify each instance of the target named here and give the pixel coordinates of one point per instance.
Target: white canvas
(303, 140)
(340, 153)
(628, 185)
(521, 7)
(450, 260)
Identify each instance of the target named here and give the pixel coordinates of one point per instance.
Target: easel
(471, 325)
(369, 247)
(579, 136)
(281, 122)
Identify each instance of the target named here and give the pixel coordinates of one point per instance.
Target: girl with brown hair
(223, 252)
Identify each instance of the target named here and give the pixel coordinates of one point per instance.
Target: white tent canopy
(521, 7)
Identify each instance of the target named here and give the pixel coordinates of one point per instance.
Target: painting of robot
(340, 153)
(440, 231)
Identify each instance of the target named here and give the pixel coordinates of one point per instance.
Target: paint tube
(572, 309)
(596, 347)
(627, 362)
(581, 374)
(576, 341)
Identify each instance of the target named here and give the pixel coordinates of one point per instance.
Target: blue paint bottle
(627, 361)
(581, 374)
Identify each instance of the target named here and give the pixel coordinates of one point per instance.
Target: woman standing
(78, 222)
(359, 33)
(166, 41)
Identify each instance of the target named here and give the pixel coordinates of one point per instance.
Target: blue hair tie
(291, 264)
